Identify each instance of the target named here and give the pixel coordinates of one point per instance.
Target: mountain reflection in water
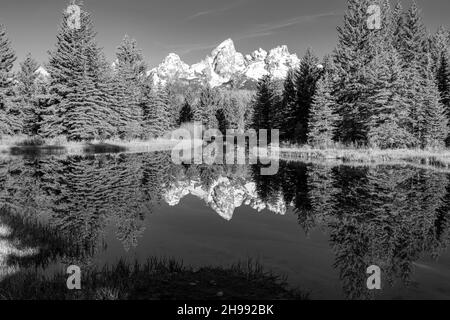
(390, 216)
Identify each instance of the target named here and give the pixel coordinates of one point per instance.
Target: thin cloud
(216, 11)
(261, 30)
(264, 28)
(186, 49)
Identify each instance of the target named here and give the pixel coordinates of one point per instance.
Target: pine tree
(264, 114)
(414, 40)
(27, 89)
(443, 78)
(397, 25)
(156, 112)
(440, 53)
(186, 112)
(439, 46)
(9, 113)
(323, 119)
(288, 107)
(420, 63)
(175, 103)
(131, 75)
(306, 79)
(436, 119)
(388, 122)
(130, 62)
(206, 107)
(351, 57)
(77, 108)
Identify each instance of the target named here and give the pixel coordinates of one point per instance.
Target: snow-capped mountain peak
(225, 64)
(42, 72)
(224, 195)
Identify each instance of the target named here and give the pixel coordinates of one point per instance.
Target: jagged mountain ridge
(226, 66)
(223, 67)
(223, 196)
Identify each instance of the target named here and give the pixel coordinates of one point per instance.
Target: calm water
(320, 225)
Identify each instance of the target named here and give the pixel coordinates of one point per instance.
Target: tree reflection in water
(390, 216)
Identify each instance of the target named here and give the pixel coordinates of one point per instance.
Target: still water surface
(320, 225)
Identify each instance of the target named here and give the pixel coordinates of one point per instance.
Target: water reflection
(390, 216)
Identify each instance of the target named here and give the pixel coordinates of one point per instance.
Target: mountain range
(223, 67)
(227, 67)
(224, 196)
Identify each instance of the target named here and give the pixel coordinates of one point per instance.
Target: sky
(192, 28)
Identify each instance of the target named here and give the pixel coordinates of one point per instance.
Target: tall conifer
(10, 117)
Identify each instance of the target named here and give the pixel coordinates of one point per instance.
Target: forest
(387, 88)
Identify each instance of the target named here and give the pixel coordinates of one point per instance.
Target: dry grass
(426, 158)
(22, 144)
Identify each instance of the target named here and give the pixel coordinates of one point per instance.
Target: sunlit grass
(25, 145)
(439, 158)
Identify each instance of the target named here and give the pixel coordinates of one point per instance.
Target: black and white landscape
(93, 204)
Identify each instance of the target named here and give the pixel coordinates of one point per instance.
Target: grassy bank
(34, 146)
(157, 279)
(439, 159)
(425, 158)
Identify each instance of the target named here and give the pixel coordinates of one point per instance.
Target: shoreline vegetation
(337, 154)
(156, 279)
(16, 146)
(431, 159)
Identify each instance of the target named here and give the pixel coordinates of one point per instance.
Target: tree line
(385, 88)
(86, 98)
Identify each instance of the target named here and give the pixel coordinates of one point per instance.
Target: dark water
(320, 225)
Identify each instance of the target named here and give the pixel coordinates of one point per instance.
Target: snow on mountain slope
(225, 64)
(223, 196)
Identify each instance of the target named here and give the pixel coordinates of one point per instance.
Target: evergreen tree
(234, 105)
(206, 107)
(156, 114)
(323, 119)
(414, 40)
(414, 93)
(186, 112)
(176, 101)
(9, 113)
(397, 25)
(436, 119)
(264, 113)
(443, 78)
(388, 122)
(351, 57)
(77, 108)
(440, 53)
(306, 79)
(27, 88)
(131, 76)
(439, 46)
(288, 107)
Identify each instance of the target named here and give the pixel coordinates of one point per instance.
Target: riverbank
(33, 146)
(439, 159)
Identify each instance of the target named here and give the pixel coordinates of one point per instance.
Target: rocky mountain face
(227, 67)
(223, 196)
